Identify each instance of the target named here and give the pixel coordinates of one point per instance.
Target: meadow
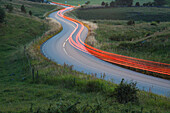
(53, 88)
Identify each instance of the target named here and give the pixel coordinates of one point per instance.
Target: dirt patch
(91, 35)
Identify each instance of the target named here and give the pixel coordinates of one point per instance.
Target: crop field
(147, 39)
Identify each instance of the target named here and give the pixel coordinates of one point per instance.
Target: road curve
(59, 50)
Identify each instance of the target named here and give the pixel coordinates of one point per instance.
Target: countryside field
(56, 88)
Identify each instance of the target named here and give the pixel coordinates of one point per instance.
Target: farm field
(147, 39)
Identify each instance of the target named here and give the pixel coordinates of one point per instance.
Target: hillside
(53, 88)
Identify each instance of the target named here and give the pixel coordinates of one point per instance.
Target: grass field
(94, 2)
(56, 88)
(141, 40)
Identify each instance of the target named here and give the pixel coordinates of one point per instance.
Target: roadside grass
(55, 88)
(142, 40)
(94, 2)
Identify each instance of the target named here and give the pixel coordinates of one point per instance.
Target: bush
(137, 4)
(103, 3)
(154, 23)
(2, 15)
(125, 93)
(23, 9)
(131, 22)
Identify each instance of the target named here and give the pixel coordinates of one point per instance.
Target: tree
(159, 2)
(103, 3)
(87, 2)
(106, 4)
(126, 92)
(23, 9)
(137, 4)
(112, 4)
(124, 2)
(30, 13)
(2, 15)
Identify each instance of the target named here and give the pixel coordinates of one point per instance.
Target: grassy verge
(55, 88)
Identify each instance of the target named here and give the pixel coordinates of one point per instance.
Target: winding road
(61, 49)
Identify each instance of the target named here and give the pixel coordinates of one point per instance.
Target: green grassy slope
(56, 88)
(38, 9)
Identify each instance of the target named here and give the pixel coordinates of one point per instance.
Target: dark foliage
(126, 92)
(112, 4)
(2, 15)
(159, 2)
(23, 9)
(30, 13)
(137, 4)
(131, 22)
(103, 3)
(124, 2)
(106, 4)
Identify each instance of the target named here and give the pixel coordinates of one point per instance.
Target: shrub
(112, 4)
(2, 15)
(23, 9)
(106, 4)
(103, 3)
(137, 4)
(154, 23)
(30, 13)
(125, 93)
(131, 22)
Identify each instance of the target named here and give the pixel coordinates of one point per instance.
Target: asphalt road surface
(59, 50)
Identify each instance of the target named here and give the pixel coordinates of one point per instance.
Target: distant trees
(2, 15)
(137, 4)
(124, 2)
(128, 3)
(23, 9)
(106, 4)
(112, 4)
(87, 2)
(103, 3)
(159, 2)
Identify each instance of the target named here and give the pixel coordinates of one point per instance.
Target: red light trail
(151, 66)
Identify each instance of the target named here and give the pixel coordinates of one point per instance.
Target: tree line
(129, 3)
